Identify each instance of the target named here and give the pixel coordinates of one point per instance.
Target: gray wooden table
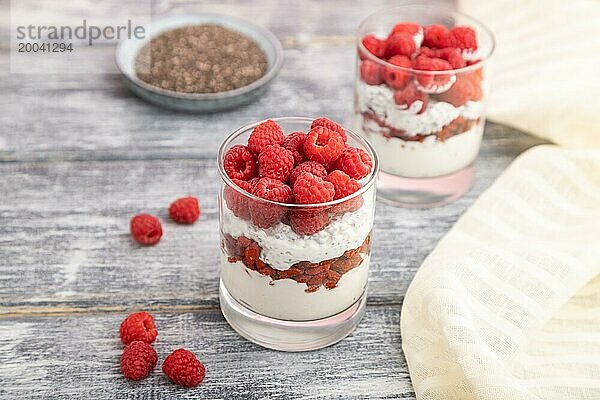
(80, 154)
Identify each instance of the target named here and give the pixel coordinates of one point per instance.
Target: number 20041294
(44, 47)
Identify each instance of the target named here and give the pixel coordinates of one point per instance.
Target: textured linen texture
(507, 306)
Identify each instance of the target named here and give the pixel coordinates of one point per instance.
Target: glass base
(284, 335)
(423, 192)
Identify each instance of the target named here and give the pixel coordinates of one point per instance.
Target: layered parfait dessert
(297, 211)
(420, 91)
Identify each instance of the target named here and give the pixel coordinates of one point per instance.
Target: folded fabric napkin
(500, 309)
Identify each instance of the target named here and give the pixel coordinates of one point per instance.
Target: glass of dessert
(420, 91)
(296, 212)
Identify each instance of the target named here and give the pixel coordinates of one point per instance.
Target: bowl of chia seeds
(200, 63)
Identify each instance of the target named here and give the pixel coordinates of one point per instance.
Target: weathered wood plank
(64, 238)
(78, 357)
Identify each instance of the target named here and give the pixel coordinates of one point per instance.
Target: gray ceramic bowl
(128, 50)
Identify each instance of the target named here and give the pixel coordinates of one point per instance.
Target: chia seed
(201, 59)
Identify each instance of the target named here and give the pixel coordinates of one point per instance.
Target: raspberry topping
(400, 44)
(309, 166)
(406, 27)
(406, 96)
(355, 162)
(375, 45)
(395, 78)
(309, 222)
(371, 72)
(138, 360)
(240, 163)
(294, 142)
(236, 201)
(342, 184)
(466, 87)
(436, 36)
(183, 368)
(323, 145)
(275, 162)
(310, 189)
(452, 55)
(464, 38)
(138, 326)
(267, 133)
(329, 124)
(265, 215)
(185, 210)
(432, 81)
(145, 229)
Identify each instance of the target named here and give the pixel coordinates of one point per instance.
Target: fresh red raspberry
(309, 166)
(329, 124)
(138, 360)
(436, 36)
(310, 189)
(138, 326)
(265, 134)
(395, 78)
(236, 201)
(371, 72)
(275, 162)
(406, 27)
(183, 368)
(240, 163)
(355, 162)
(309, 222)
(375, 45)
(294, 142)
(323, 145)
(185, 210)
(464, 89)
(400, 44)
(265, 215)
(427, 52)
(409, 94)
(345, 186)
(464, 38)
(432, 81)
(145, 229)
(452, 55)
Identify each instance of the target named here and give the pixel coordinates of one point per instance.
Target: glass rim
(484, 59)
(370, 179)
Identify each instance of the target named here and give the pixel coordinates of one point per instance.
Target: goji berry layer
(326, 273)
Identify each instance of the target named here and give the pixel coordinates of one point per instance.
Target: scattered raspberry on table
(183, 368)
(138, 360)
(145, 229)
(185, 210)
(138, 326)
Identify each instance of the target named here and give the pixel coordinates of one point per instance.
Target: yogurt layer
(286, 299)
(282, 247)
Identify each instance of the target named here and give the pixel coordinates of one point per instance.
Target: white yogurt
(429, 158)
(286, 299)
(282, 247)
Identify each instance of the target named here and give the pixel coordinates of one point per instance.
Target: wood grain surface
(79, 154)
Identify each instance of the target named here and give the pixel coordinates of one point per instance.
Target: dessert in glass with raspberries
(421, 86)
(296, 213)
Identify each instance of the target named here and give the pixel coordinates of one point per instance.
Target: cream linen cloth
(507, 306)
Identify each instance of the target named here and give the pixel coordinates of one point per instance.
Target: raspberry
(466, 88)
(236, 201)
(309, 166)
(371, 72)
(355, 162)
(400, 44)
(294, 142)
(265, 215)
(183, 368)
(433, 81)
(138, 326)
(240, 163)
(436, 36)
(265, 134)
(464, 38)
(329, 124)
(452, 55)
(408, 95)
(275, 162)
(309, 222)
(185, 210)
(310, 189)
(345, 186)
(138, 360)
(395, 78)
(406, 27)
(145, 229)
(374, 45)
(427, 52)
(323, 145)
